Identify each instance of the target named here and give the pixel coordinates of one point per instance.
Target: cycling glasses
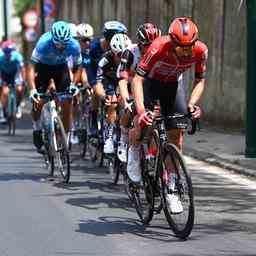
(84, 39)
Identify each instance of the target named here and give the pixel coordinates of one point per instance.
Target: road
(90, 216)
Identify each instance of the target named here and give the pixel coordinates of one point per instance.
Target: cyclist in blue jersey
(49, 68)
(12, 72)
(98, 47)
(84, 35)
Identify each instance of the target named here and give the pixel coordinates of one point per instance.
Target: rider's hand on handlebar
(73, 89)
(34, 96)
(195, 111)
(146, 119)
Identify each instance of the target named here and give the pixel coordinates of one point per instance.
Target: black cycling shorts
(59, 73)
(172, 99)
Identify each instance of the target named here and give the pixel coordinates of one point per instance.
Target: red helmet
(8, 46)
(183, 31)
(147, 33)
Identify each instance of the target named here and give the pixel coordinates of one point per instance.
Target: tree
(21, 6)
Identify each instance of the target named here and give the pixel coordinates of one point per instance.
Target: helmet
(73, 29)
(119, 42)
(147, 33)
(61, 32)
(183, 31)
(8, 46)
(113, 27)
(84, 30)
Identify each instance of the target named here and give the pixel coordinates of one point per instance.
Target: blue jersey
(12, 65)
(86, 58)
(46, 52)
(96, 53)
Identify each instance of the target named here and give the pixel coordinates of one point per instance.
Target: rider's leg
(20, 94)
(111, 125)
(4, 98)
(37, 128)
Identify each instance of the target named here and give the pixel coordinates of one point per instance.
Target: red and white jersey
(129, 60)
(160, 62)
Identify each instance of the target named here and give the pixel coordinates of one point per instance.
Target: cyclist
(12, 72)
(84, 35)
(146, 34)
(98, 47)
(50, 68)
(107, 75)
(157, 78)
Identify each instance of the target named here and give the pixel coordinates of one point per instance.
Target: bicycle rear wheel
(11, 116)
(181, 223)
(62, 158)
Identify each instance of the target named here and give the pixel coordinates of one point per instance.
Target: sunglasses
(184, 50)
(84, 40)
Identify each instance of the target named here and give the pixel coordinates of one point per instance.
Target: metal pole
(6, 33)
(42, 16)
(250, 150)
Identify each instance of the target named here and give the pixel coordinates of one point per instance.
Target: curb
(220, 162)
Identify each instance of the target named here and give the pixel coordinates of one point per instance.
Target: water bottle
(151, 158)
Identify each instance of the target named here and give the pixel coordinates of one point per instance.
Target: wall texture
(222, 27)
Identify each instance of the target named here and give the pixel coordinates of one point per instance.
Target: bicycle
(11, 109)
(54, 136)
(154, 184)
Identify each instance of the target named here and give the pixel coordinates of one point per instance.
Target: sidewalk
(222, 149)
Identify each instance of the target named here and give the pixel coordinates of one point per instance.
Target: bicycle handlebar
(191, 131)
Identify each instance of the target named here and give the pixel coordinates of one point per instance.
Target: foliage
(22, 5)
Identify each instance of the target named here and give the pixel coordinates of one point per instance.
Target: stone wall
(222, 27)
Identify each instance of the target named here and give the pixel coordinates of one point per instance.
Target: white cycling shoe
(133, 165)
(122, 151)
(109, 146)
(174, 203)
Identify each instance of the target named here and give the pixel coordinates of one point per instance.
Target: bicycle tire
(181, 230)
(11, 118)
(145, 213)
(62, 152)
(116, 170)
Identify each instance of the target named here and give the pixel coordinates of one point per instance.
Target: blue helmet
(61, 32)
(113, 27)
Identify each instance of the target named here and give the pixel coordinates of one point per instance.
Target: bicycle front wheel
(181, 223)
(62, 152)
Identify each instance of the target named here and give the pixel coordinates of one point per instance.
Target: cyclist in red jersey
(157, 78)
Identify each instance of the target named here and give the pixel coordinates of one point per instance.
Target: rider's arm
(137, 90)
(123, 73)
(200, 71)
(77, 74)
(102, 67)
(197, 92)
(31, 76)
(123, 89)
(84, 78)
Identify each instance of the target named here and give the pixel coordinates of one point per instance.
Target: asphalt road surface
(90, 216)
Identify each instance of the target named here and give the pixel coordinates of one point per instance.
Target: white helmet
(84, 30)
(73, 29)
(119, 42)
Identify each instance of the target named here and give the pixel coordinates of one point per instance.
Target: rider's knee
(175, 136)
